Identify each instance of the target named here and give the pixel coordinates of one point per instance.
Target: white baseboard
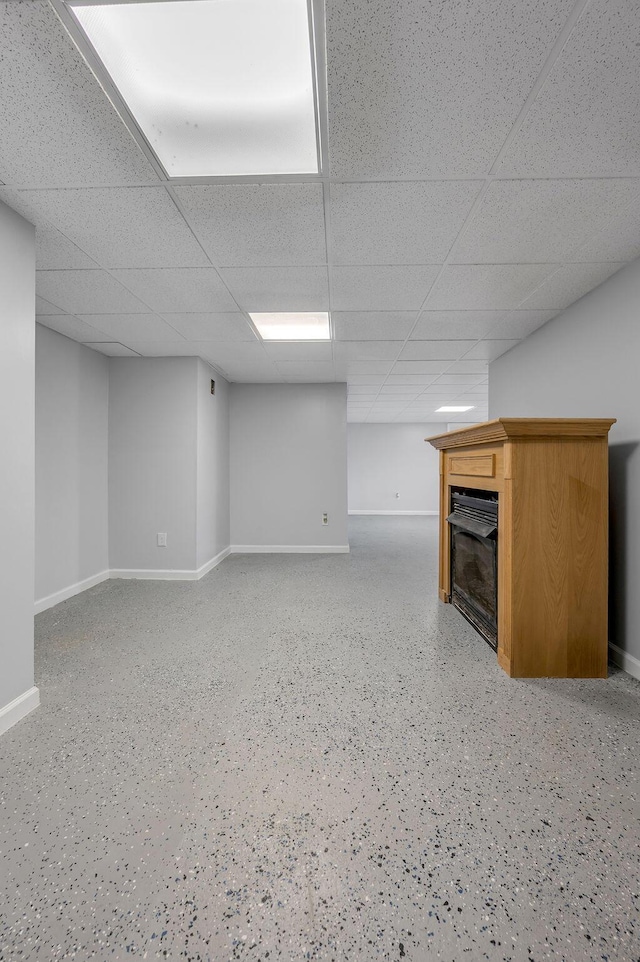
(370, 511)
(50, 600)
(171, 574)
(18, 708)
(213, 563)
(290, 548)
(624, 660)
(177, 574)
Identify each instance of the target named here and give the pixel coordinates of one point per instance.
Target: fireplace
(473, 526)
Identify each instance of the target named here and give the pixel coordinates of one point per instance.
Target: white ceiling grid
(481, 172)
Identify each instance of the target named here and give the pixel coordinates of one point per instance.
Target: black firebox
(473, 528)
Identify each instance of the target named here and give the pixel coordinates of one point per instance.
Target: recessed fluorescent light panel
(292, 327)
(217, 87)
(453, 410)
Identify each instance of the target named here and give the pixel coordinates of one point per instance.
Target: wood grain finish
(504, 429)
(478, 466)
(551, 476)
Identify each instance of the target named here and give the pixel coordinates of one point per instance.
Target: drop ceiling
(481, 171)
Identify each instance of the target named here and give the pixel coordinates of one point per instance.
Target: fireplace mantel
(551, 478)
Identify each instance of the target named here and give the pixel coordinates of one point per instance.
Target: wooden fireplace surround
(551, 477)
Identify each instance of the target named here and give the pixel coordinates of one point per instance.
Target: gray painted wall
(72, 413)
(288, 464)
(152, 462)
(17, 443)
(586, 363)
(213, 524)
(387, 458)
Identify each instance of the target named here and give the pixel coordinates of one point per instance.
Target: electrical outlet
(325, 518)
(162, 539)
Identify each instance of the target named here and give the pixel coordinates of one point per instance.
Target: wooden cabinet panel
(478, 465)
(551, 476)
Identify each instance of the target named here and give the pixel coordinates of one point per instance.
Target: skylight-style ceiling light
(452, 409)
(292, 327)
(217, 87)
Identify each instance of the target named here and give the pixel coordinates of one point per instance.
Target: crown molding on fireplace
(509, 429)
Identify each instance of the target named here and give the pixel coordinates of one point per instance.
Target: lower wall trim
(50, 600)
(186, 574)
(18, 708)
(213, 563)
(171, 574)
(155, 574)
(290, 548)
(368, 511)
(623, 660)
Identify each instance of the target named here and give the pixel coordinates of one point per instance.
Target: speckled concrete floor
(308, 757)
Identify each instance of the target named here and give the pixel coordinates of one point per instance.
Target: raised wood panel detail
(478, 466)
(551, 476)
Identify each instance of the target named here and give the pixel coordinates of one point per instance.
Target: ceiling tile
(212, 327)
(279, 288)
(424, 87)
(132, 327)
(585, 120)
(112, 349)
(462, 380)
(420, 367)
(245, 373)
(433, 325)
(372, 325)
(299, 351)
(486, 286)
(353, 368)
(236, 352)
(381, 288)
(403, 391)
(44, 307)
(478, 390)
(517, 324)
(258, 224)
(370, 379)
(412, 379)
(619, 240)
(568, 284)
(360, 390)
(441, 390)
(395, 223)
(71, 327)
(559, 215)
(466, 366)
(367, 350)
(87, 292)
(179, 289)
(122, 226)
(150, 348)
(490, 350)
(434, 350)
(306, 370)
(58, 127)
(54, 251)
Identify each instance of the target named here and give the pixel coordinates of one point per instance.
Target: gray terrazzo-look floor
(309, 757)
